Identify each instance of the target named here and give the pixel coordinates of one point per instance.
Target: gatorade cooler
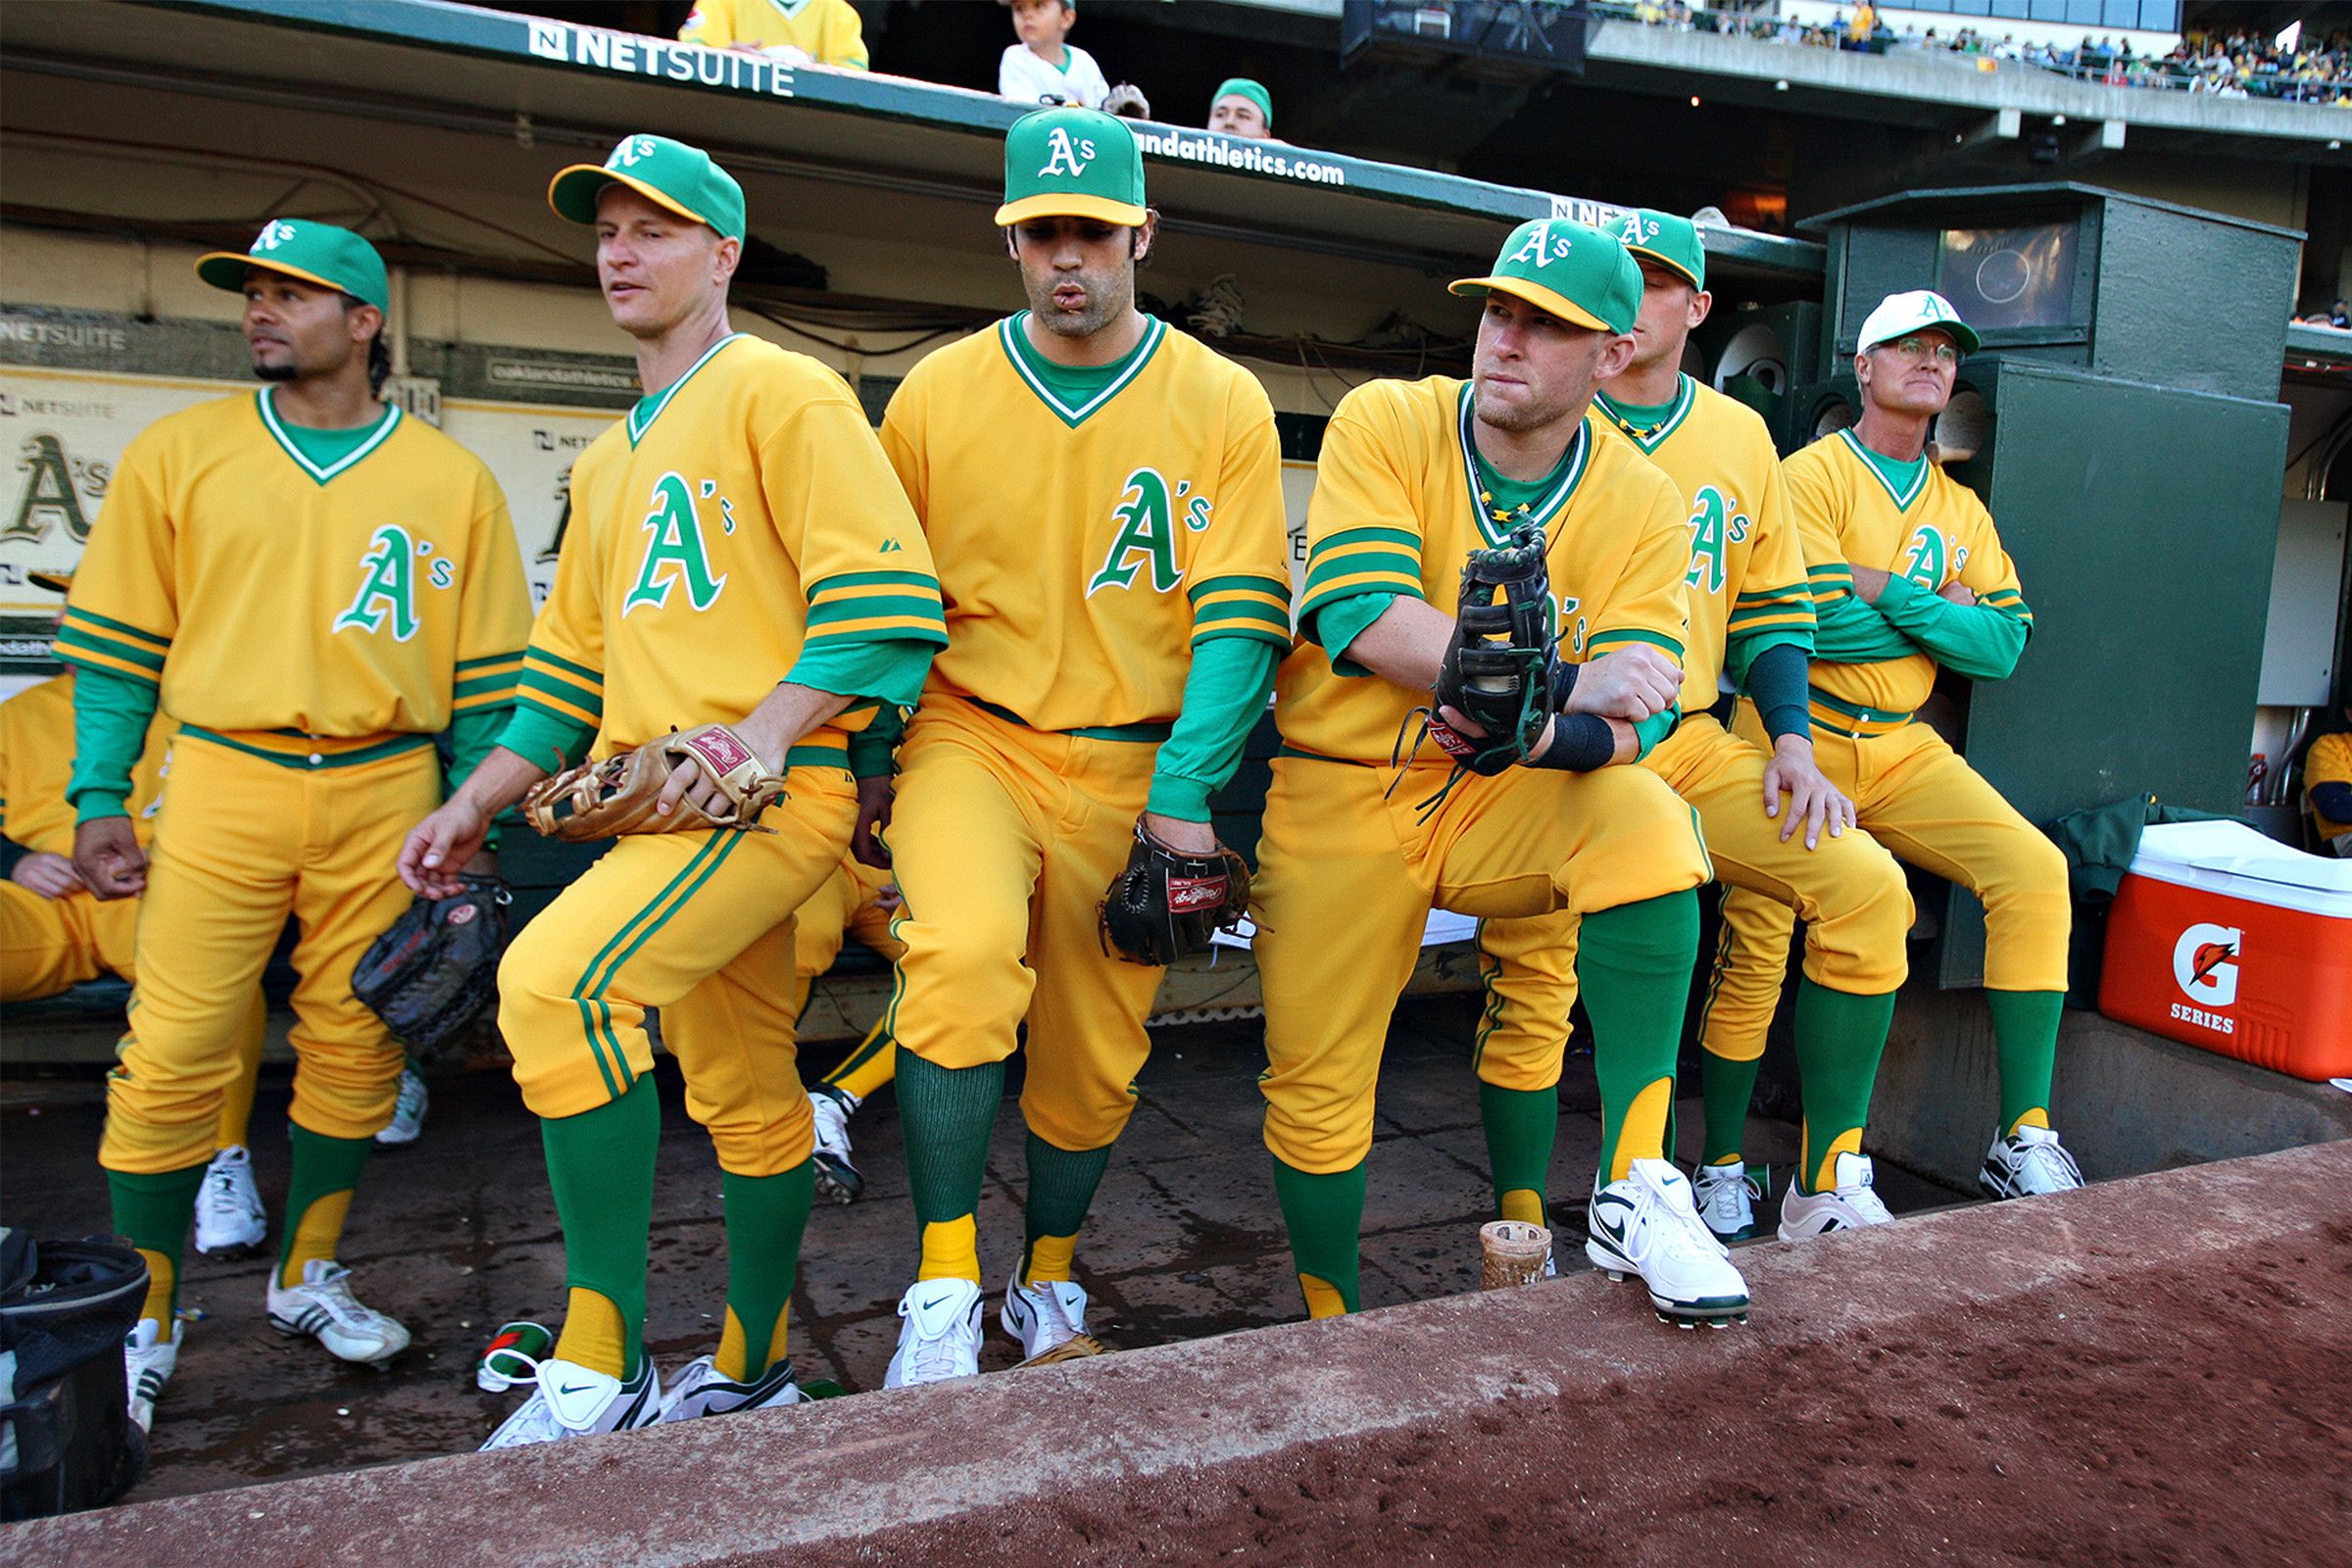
(2226, 939)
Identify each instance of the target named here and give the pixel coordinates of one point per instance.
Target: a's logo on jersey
(632, 150)
(1067, 157)
(1716, 524)
(273, 234)
(1572, 625)
(675, 553)
(1930, 558)
(1541, 247)
(1637, 230)
(1145, 520)
(387, 596)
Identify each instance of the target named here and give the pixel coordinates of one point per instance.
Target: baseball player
(859, 900)
(313, 585)
(1102, 495)
(2327, 788)
(1909, 575)
(740, 554)
(1413, 476)
(1773, 823)
(825, 32)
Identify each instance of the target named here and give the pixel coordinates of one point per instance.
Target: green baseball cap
(1666, 239)
(669, 174)
(1577, 274)
(1244, 88)
(316, 253)
(1072, 162)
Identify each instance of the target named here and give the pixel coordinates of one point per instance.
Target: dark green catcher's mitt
(1499, 668)
(435, 972)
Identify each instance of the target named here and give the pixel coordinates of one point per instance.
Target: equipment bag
(66, 1440)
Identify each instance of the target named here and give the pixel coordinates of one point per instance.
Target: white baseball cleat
(575, 1401)
(1647, 1224)
(1848, 1206)
(323, 1307)
(408, 1111)
(229, 1207)
(2027, 1163)
(835, 1177)
(148, 1361)
(1727, 1196)
(699, 1391)
(1049, 1319)
(940, 1337)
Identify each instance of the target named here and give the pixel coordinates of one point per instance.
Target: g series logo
(2205, 967)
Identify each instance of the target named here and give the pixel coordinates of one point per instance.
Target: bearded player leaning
(1102, 495)
(1908, 578)
(313, 584)
(741, 556)
(1773, 823)
(1413, 478)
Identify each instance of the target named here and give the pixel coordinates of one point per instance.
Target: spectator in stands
(802, 32)
(1242, 108)
(1043, 67)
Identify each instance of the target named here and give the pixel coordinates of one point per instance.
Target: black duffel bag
(66, 1440)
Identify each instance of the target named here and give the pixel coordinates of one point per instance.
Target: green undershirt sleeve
(1773, 676)
(1223, 697)
(872, 748)
(1342, 621)
(471, 734)
(1973, 640)
(891, 668)
(1654, 729)
(111, 716)
(1853, 632)
(545, 740)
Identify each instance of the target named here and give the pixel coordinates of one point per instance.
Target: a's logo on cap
(2205, 963)
(1063, 155)
(1637, 230)
(633, 149)
(273, 234)
(1540, 247)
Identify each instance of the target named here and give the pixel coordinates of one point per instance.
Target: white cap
(1915, 311)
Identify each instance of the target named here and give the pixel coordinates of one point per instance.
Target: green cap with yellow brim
(1579, 275)
(669, 174)
(315, 252)
(1072, 162)
(1669, 241)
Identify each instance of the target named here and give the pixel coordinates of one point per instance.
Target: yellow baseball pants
(1348, 875)
(49, 944)
(699, 925)
(1004, 840)
(1917, 796)
(241, 842)
(1847, 889)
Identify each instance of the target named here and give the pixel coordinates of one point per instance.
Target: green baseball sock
(765, 1219)
(1727, 1088)
(1633, 967)
(1061, 1189)
(1325, 1214)
(600, 1164)
(2024, 1037)
(1520, 1124)
(947, 1114)
(326, 1171)
(152, 1213)
(1839, 1037)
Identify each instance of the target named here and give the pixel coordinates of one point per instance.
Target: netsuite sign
(634, 54)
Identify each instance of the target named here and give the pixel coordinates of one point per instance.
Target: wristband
(1563, 681)
(1580, 743)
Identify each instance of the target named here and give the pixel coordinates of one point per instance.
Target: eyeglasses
(1918, 348)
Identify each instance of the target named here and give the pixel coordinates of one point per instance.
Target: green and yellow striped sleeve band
(485, 682)
(1772, 609)
(876, 605)
(1831, 583)
(117, 647)
(1602, 642)
(1361, 561)
(562, 689)
(1242, 605)
(2008, 601)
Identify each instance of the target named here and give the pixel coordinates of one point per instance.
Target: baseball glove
(1499, 666)
(1164, 906)
(435, 972)
(597, 800)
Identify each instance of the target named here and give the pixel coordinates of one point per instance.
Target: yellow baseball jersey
(1085, 550)
(827, 29)
(1934, 532)
(260, 592)
(740, 518)
(1398, 509)
(2329, 762)
(37, 759)
(1747, 569)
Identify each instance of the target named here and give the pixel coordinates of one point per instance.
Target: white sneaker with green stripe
(148, 1361)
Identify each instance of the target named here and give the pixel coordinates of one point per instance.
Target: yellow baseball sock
(950, 1251)
(593, 1335)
